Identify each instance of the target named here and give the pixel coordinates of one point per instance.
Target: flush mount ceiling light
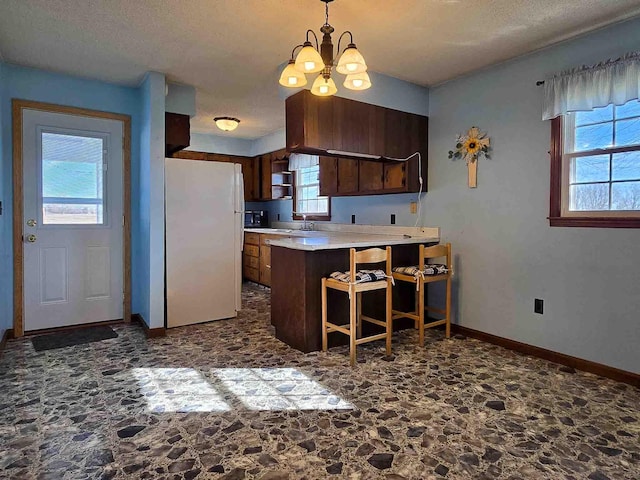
(319, 59)
(226, 123)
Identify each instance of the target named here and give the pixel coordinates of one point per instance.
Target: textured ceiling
(230, 49)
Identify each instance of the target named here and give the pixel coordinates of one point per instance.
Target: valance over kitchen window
(298, 161)
(589, 87)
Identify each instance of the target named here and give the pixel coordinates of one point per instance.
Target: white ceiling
(230, 49)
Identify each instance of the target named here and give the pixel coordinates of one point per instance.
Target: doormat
(69, 338)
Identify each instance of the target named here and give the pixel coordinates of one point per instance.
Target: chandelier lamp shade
(319, 59)
(226, 124)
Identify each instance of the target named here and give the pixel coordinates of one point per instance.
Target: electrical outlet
(278, 217)
(393, 219)
(353, 219)
(413, 207)
(538, 306)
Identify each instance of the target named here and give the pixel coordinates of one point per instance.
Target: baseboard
(8, 335)
(149, 332)
(556, 357)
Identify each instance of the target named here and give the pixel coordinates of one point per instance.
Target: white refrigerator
(204, 222)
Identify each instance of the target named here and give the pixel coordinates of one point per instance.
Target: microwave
(256, 218)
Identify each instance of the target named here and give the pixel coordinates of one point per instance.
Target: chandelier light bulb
(357, 81)
(292, 77)
(309, 60)
(324, 87)
(351, 61)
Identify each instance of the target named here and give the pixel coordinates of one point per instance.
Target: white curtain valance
(589, 87)
(302, 160)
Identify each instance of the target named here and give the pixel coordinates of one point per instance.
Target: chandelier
(319, 59)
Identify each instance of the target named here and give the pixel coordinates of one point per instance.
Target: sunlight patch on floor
(278, 389)
(178, 390)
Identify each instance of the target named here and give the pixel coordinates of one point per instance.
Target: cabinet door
(318, 122)
(265, 265)
(328, 176)
(371, 176)
(265, 176)
(397, 134)
(394, 175)
(347, 176)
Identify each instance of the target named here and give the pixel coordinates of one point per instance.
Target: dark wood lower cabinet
(296, 299)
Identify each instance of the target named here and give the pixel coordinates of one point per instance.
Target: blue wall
(37, 85)
(505, 252)
(148, 284)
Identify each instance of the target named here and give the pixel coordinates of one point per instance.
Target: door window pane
(72, 179)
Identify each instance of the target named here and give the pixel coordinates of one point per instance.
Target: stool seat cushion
(362, 276)
(431, 269)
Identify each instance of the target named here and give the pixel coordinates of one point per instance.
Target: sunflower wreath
(471, 146)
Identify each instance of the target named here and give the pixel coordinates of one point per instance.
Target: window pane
(590, 196)
(594, 168)
(594, 136)
(628, 132)
(626, 166)
(629, 109)
(594, 116)
(72, 179)
(625, 196)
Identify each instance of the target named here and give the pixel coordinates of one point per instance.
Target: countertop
(329, 240)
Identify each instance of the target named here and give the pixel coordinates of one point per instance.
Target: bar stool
(420, 275)
(354, 282)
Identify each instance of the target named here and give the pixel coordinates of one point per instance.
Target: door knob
(31, 238)
(31, 222)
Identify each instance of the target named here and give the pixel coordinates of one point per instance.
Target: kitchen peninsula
(299, 260)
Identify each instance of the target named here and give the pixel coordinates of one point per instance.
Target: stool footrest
(338, 328)
(373, 320)
(372, 338)
(398, 314)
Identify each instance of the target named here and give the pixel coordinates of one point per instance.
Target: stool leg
(359, 313)
(421, 312)
(448, 308)
(416, 303)
(352, 326)
(388, 317)
(324, 314)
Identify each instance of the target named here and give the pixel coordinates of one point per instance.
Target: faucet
(306, 226)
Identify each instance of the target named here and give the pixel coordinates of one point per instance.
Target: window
(72, 179)
(595, 176)
(306, 197)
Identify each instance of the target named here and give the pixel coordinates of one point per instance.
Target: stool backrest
(370, 255)
(436, 251)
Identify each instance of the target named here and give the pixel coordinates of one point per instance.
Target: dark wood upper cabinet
(177, 134)
(344, 129)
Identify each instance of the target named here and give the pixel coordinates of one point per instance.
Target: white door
(202, 240)
(73, 215)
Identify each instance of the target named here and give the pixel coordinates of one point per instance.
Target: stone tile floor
(228, 400)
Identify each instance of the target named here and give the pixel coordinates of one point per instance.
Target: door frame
(18, 228)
